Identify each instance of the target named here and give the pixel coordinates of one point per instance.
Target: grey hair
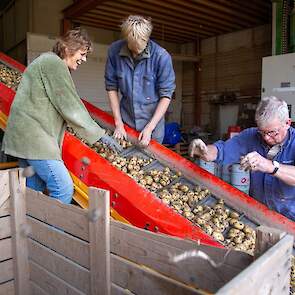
(136, 27)
(271, 108)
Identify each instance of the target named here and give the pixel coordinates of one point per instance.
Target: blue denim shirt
(264, 187)
(141, 85)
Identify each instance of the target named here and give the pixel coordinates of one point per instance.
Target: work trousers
(51, 175)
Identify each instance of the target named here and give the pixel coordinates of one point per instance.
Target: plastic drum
(209, 166)
(240, 178)
(226, 173)
(218, 170)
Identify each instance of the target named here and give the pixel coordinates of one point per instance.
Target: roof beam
(216, 8)
(177, 20)
(157, 28)
(156, 21)
(185, 23)
(175, 11)
(156, 34)
(189, 7)
(80, 7)
(251, 8)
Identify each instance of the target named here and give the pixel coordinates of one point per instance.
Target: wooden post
(19, 228)
(66, 25)
(266, 237)
(99, 239)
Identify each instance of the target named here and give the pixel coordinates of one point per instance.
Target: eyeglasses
(272, 133)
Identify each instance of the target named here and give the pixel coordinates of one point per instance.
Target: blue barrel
(209, 166)
(226, 173)
(240, 178)
(172, 133)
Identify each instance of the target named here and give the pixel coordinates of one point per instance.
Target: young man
(268, 151)
(143, 73)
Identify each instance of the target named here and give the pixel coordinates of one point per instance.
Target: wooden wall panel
(21, 20)
(188, 114)
(9, 31)
(7, 288)
(6, 271)
(232, 63)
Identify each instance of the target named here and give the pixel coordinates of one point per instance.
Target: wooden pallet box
(48, 248)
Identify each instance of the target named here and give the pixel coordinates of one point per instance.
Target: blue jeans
(50, 174)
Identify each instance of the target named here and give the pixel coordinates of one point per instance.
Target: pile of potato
(182, 199)
(214, 220)
(156, 179)
(224, 226)
(9, 77)
(292, 282)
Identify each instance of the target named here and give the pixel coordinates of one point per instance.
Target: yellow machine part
(3, 120)
(81, 197)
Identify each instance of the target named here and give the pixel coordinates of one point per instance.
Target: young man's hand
(145, 136)
(120, 132)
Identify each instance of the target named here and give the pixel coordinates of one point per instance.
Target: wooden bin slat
(5, 249)
(6, 271)
(65, 244)
(138, 246)
(50, 283)
(17, 186)
(5, 208)
(4, 187)
(5, 227)
(65, 269)
(144, 281)
(117, 290)
(235, 259)
(260, 274)
(36, 290)
(7, 288)
(69, 218)
(99, 241)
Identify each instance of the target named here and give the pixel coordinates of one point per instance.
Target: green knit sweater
(45, 102)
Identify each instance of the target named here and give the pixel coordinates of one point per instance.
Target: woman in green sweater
(45, 103)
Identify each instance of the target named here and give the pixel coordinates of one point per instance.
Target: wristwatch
(277, 166)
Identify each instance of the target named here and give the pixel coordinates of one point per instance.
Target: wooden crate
(6, 261)
(180, 148)
(47, 247)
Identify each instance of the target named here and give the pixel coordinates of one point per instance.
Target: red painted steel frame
(139, 206)
(13, 63)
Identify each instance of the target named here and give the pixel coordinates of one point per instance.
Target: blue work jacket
(142, 84)
(264, 187)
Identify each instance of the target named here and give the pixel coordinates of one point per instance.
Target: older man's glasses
(272, 133)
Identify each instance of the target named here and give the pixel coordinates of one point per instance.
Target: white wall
(89, 78)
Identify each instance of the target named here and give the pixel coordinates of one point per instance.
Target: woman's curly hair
(73, 40)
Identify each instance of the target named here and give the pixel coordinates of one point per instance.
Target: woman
(46, 101)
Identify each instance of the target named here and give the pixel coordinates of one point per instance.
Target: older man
(142, 71)
(268, 151)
